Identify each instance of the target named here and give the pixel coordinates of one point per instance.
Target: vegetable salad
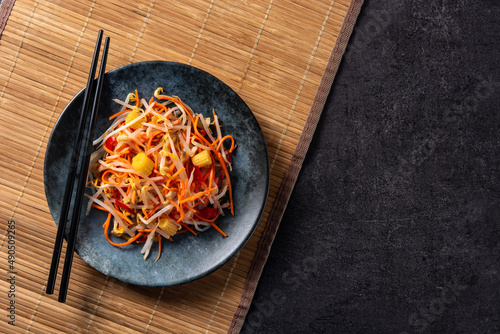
(161, 169)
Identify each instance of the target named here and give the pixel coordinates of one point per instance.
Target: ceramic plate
(189, 257)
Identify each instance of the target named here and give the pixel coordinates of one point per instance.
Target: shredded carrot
(118, 114)
(105, 180)
(159, 247)
(131, 240)
(98, 207)
(223, 139)
(178, 172)
(122, 216)
(186, 226)
(134, 194)
(217, 228)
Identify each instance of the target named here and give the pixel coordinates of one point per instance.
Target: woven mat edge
(5, 9)
(294, 168)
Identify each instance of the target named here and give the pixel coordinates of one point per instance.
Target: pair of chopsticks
(80, 158)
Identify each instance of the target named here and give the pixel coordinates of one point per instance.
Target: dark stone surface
(393, 226)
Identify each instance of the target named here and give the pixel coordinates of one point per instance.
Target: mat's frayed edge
(292, 173)
(5, 8)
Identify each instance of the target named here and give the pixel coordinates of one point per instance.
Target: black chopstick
(72, 171)
(86, 134)
(82, 180)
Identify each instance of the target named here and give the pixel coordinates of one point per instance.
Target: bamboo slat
(274, 53)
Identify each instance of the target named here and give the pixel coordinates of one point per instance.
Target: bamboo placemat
(280, 56)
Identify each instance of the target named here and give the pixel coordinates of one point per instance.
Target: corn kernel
(134, 114)
(168, 226)
(142, 163)
(202, 159)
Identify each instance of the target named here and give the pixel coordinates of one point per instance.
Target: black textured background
(393, 226)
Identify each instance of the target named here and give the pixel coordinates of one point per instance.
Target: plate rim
(259, 215)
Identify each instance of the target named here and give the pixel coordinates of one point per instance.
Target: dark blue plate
(189, 257)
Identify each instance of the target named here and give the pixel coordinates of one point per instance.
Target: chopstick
(86, 129)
